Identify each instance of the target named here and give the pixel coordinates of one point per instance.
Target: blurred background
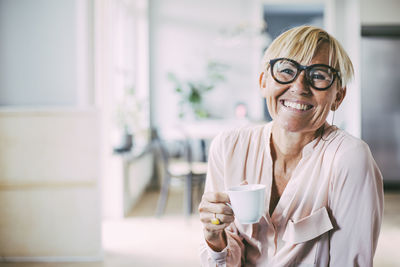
(108, 107)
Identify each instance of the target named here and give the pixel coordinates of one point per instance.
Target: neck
(289, 145)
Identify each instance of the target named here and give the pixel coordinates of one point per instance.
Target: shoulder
(353, 158)
(350, 147)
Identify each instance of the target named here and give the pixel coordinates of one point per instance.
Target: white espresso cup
(247, 202)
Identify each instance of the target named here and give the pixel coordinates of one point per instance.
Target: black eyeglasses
(319, 76)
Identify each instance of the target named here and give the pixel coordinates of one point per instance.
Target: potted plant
(191, 91)
(127, 119)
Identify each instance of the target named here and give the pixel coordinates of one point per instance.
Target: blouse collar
(308, 148)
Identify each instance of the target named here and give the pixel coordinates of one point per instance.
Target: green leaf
(192, 85)
(201, 113)
(195, 96)
(209, 88)
(130, 90)
(172, 77)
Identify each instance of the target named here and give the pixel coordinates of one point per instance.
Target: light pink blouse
(329, 214)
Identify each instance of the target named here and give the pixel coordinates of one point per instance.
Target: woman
(324, 191)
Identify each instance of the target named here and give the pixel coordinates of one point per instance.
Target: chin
(296, 126)
(290, 125)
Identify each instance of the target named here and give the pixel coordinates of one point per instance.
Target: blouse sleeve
(356, 202)
(232, 255)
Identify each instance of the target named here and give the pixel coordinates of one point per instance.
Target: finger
(214, 228)
(216, 197)
(209, 226)
(212, 208)
(206, 218)
(244, 182)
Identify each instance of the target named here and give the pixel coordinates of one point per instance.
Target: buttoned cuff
(218, 257)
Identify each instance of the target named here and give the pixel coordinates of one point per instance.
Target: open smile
(296, 105)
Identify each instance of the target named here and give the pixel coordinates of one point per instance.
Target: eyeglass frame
(300, 68)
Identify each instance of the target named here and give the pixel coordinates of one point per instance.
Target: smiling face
(297, 107)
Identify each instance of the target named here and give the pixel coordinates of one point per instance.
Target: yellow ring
(215, 220)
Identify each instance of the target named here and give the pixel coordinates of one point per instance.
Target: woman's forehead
(321, 55)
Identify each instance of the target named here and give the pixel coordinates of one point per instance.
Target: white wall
(49, 144)
(44, 53)
(343, 22)
(380, 12)
(184, 36)
(49, 185)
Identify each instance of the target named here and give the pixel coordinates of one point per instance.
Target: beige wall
(49, 184)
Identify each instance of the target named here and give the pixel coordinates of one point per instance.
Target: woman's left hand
(213, 208)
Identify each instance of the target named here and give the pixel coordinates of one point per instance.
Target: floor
(387, 253)
(142, 240)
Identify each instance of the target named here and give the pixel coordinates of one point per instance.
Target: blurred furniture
(205, 130)
(127, 177)
(183, 167)
(188, 134)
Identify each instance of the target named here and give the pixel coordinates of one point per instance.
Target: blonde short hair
(300, 43)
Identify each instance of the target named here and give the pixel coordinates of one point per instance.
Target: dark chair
(183, 167)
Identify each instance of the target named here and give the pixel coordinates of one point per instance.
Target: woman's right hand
(213, 204)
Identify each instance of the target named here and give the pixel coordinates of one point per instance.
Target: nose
(300, 85)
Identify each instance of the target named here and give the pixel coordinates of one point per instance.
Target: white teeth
(295, 105)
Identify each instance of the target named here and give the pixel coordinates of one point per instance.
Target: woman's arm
(232, 255)
(356, 202)
(222, 244)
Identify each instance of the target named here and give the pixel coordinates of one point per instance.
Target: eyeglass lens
(286, 71)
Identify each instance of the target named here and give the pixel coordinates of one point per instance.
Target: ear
(340, 94)
(262, 81)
